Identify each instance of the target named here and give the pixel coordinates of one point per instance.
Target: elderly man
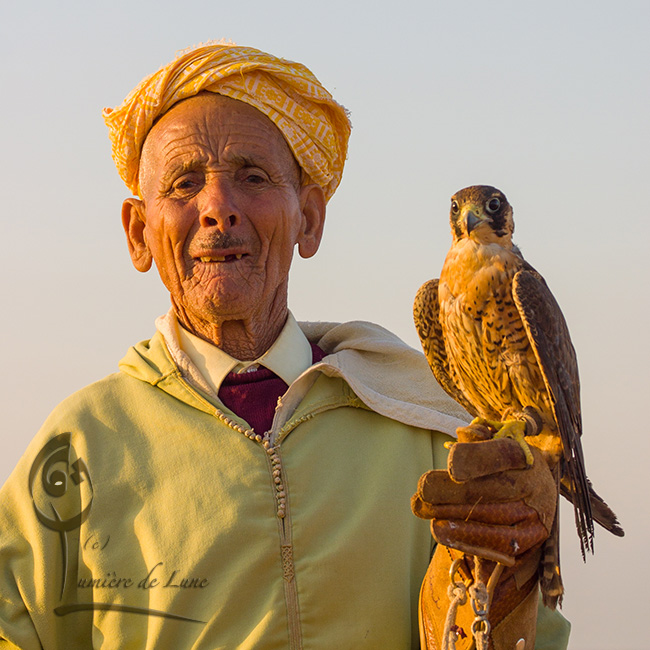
(243, 481)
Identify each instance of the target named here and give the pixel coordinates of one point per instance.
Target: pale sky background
(549, 101)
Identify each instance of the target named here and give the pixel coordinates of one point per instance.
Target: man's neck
(244, 340)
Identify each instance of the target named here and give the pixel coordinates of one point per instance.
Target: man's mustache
(217, 241)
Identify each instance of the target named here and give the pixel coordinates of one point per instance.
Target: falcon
(497, 342)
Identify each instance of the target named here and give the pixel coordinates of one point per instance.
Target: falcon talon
(491, 425)
(515, 430)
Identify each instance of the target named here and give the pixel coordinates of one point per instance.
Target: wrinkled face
(222, 209)
(481, 213)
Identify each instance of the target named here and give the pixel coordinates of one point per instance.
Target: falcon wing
(426, 314)
(549, 337)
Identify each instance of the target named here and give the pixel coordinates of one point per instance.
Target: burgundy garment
(253, 395)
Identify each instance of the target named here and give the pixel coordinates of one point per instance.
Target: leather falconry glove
(488, 507)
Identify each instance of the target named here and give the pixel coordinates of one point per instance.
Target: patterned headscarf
(315, 126)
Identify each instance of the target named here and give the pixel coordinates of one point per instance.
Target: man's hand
(491, 505)
(488, 503)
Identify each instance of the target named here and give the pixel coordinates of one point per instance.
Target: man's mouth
(222, 258)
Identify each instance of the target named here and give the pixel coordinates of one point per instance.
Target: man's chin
(215, 312)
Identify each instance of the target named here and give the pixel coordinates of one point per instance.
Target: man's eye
(186, 184)
(253, 177)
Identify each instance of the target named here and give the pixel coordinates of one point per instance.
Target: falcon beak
(472, 219)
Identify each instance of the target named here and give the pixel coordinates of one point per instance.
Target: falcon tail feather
(550, 579)
(601, 512)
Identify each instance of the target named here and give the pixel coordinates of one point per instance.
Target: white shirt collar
(288, 357)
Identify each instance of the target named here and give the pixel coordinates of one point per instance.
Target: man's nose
(218, 206)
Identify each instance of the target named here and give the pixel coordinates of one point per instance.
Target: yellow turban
(314, 125)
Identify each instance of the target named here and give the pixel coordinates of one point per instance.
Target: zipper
(286, 546)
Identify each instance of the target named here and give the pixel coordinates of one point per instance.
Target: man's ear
(312, 206)
(133, 222)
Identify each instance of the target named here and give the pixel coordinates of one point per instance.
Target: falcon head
(482, 213)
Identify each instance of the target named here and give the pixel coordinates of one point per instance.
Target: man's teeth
(221, 259)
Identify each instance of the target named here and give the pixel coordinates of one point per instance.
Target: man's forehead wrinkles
(231, 149)
(182, 160)
(260, 144)
(180, 142)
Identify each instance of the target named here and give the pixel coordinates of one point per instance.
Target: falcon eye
(454, 207)
(493, 205)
